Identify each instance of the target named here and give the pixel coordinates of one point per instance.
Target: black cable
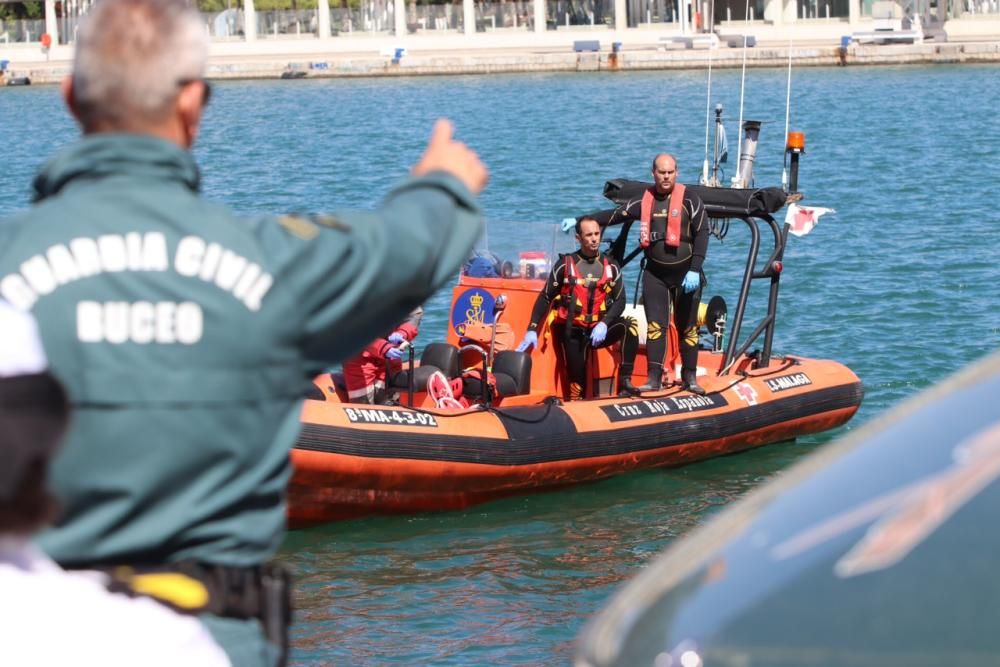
(549, 401)
(638, 282)
(718, 228)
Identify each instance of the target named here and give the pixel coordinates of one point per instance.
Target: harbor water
(901, 285)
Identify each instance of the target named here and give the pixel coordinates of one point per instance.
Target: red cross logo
(804, 219)
(747, 393)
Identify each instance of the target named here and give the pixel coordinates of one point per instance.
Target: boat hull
(352, 461)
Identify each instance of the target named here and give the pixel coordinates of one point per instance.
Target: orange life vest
(588, 304)
(676, 211)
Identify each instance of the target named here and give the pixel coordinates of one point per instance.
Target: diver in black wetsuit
(674, 237)
(587, 297)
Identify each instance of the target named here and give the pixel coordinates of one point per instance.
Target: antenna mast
(743, 80)
(788, 106)
(708, 116)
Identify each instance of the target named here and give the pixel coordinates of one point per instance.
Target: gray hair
(131, 56)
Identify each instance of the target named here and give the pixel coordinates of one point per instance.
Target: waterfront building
(520, 23)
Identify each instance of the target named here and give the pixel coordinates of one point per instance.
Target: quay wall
(302, 59)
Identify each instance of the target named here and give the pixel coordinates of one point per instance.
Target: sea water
(901, 285)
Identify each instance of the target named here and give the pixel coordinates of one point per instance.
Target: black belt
(261, 592)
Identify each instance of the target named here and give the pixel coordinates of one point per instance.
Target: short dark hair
(34, 413)
(31, 507)
(579, 224)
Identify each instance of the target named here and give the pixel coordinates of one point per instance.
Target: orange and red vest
(588, 304)
(676, 211)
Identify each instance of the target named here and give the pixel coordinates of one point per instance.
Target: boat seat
(444, 356)
(435, 357)
(337, 379)
(421, 373)
(512, 371)
(333, 382)
(472, 386)
(314, 393)
(517, 366)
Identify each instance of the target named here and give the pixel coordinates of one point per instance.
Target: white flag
(803, 218)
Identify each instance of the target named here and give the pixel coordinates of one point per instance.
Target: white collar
(19, 551)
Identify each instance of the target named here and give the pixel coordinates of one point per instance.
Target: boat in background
(522, 434)
(876, 550)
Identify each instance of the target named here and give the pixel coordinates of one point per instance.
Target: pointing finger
(441, 134)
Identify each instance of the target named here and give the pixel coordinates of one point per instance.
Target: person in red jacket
(364, 375)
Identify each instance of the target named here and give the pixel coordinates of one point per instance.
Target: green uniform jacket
(186, 337)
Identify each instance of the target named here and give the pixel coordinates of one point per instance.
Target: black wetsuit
(665, 270)
(574, 339)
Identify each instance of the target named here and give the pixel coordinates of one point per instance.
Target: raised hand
(445, 154)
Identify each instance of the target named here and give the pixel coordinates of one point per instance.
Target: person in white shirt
(49, 616)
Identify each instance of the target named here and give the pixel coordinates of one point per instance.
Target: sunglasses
(207, 87)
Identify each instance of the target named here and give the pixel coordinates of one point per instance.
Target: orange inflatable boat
(523, 435)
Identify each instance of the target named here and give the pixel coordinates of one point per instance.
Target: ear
(68, 97)
(189, 107)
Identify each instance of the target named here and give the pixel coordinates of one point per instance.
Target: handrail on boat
(772, 271)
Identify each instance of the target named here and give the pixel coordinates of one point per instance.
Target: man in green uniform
(185, 335)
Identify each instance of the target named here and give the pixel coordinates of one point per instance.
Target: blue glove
(394, 354)
(692, 281)
(396, 338)
(530, 341)
(598, 334)
(568, 225)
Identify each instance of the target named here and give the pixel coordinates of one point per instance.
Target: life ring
(46, 40)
